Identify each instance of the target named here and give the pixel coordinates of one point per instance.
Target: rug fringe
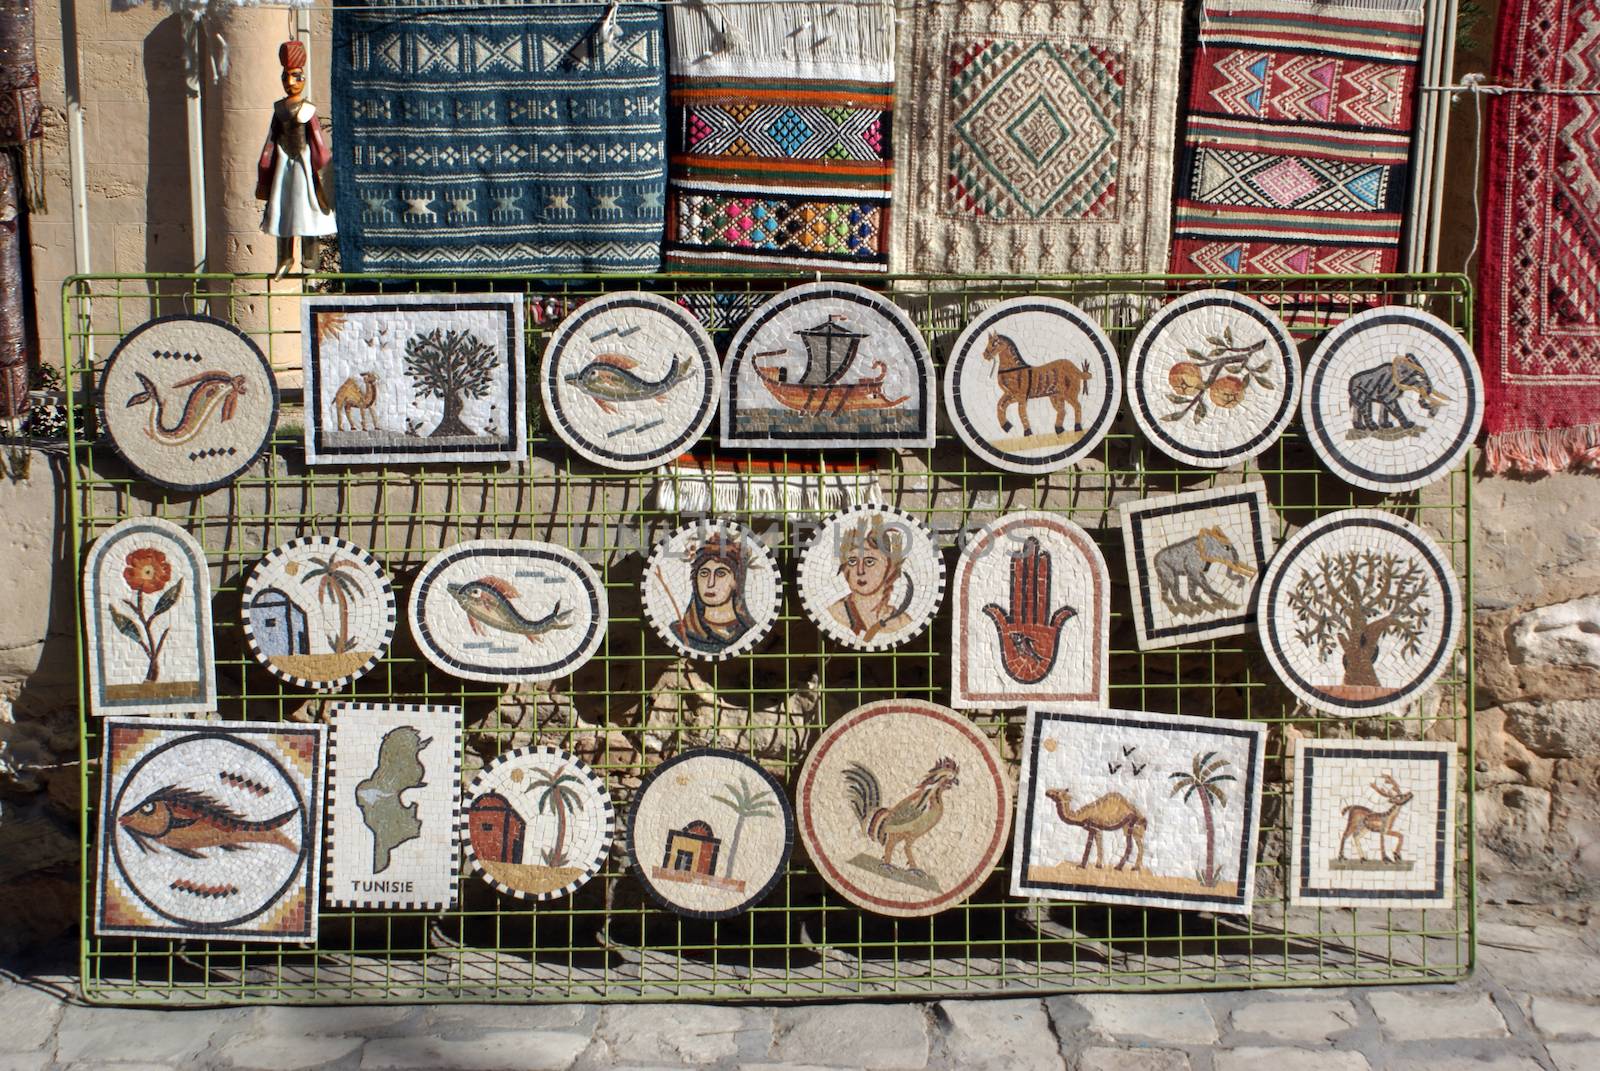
(758, 37)
(1542, 451)
(1324, 7)
(687, 490)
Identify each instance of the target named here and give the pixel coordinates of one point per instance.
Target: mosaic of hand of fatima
(147, 621)
(630, 380)
(409, 378)
(1213, 378)
(210, 830)
(1393, 399)
(828, 365)
(1374, 823)
(709, 833)
(1194, 562)
(1031, 619)
(904, 807)
(1168, 807)
(538, 823)
(1032, 384)
(188, 401)
(507, 610)
(318, 612)
(872, 578)
(393, 805)
(1360, 613)
(712, 590)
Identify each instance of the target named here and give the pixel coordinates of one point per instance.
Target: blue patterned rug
(519, 138)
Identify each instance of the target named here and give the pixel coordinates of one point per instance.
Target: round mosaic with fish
(318, 612)
(507, 610)
(537, 823)
(630, 380)
(709, 833)
(1393, 399)
(1032, 384)
(904, 806)
(1213, 378)
(872, 577)
(188, 401)
(712, 590)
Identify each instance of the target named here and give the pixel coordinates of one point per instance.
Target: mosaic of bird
(907, 821)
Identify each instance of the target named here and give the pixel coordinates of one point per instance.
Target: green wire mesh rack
(636, 703)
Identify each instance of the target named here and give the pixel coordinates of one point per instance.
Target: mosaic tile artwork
(188, 401)
(318, 612)
(828, 365)
(1393, 399)
(1374, 824)
(1033, 384)
(410, 378)
(1194, 560)
(710, 833)
(147, 618)
(1169, 807)
(1031, 621)
(538, 823)
(393, 805)
(1213, 379)
(507, 610)
(210, 830)
(872, 578)
(630, 380)
(1360, 613)
(712, 590)
(904, 807)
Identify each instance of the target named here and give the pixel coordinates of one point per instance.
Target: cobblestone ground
(1534, 1004)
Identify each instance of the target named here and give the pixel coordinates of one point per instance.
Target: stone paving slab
(1531, 1008)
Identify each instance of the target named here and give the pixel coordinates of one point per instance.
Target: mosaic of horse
(1061, 381)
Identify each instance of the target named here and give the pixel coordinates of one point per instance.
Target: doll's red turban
(292, 54)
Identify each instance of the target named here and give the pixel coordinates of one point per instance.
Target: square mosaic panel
(1374, 824)
(1127, 807)
(210, 829)
(414, 378)
(394, 805)
(1195, 561)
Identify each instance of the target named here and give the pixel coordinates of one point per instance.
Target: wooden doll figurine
(290, 175)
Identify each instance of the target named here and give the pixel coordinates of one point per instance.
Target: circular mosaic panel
(1393, 399)
(188, 401)
(630, 380)
(1360, 613)
(507, 610)
(1213, 378)
(318, 612)
(872, 578)
(904, 807)
(828, 365)
(537, 823)
(1032, 385)
(712, 590)
(710, 833)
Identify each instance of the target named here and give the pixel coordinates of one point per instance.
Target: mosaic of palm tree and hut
(538, 823)
(1128, 807)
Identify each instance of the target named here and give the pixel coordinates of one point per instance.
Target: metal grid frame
(611, 942)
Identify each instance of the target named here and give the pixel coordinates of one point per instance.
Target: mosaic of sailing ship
(832, 388)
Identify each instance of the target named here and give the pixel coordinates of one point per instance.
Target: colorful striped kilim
(781, 141)
(1298, 138)
(487, 138)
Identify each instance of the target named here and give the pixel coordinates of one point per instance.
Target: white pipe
(1441, 140)
(72, 76)
(193, 43)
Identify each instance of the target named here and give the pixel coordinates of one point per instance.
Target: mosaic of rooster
(906, 821)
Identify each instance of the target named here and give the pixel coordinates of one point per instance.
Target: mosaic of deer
(1359, 821)
(1059, 380)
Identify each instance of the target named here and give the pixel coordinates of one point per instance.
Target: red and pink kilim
(1539, 318)
(1298, 138)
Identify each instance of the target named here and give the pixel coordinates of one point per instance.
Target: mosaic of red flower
(147, 570)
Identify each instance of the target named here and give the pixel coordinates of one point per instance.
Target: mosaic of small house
(1032, 615)
(1122, 807)
(872, 577)
(210, 830)
(190, 402)
(1194, 562)
(1374, 823)
(538, 823)
(407, 379)
(712, 590)
(393, 805)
